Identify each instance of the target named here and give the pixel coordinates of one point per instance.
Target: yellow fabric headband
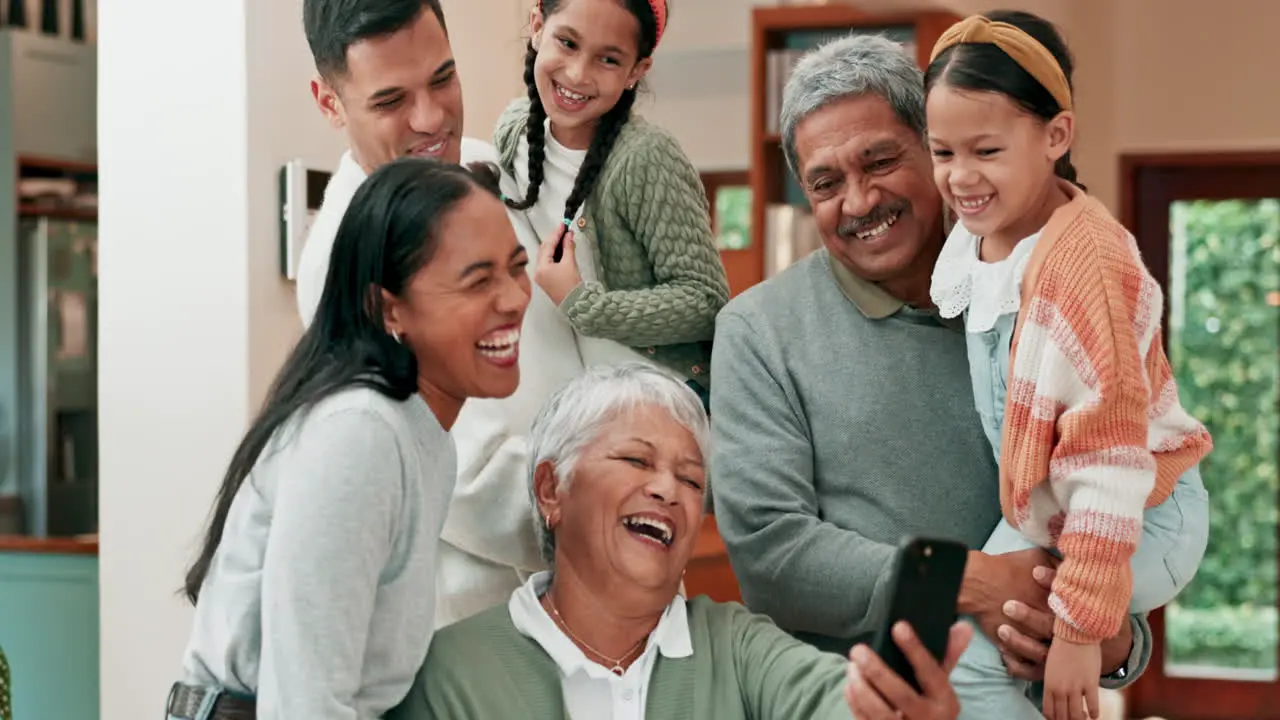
(1021, 47)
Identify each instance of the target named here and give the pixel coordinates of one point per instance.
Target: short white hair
(574, 416)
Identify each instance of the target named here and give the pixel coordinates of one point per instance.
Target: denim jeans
(1174, 536)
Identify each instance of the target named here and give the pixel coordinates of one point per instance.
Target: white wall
(194, 317)
(174, 299)
(488, 40)
(283, 123)
(700, 82)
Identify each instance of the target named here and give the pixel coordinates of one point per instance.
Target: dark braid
(1064, 169)
(607, 130)
(601, 143)
(535, 133)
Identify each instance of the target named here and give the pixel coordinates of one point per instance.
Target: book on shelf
(790, 234)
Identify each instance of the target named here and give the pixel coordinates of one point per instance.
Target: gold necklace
(616, 665)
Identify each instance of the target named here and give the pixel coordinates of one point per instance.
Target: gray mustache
(849, 226)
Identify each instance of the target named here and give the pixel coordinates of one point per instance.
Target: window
(1209, 229)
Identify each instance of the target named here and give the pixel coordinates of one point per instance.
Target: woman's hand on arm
(874, 692)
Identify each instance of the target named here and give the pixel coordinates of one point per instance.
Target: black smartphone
(923, 591)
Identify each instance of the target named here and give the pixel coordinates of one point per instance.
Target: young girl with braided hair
(1098, 459)
(628, 253)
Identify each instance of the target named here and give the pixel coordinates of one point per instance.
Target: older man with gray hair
(844, 418)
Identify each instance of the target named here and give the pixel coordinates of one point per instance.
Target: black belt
(185, 701)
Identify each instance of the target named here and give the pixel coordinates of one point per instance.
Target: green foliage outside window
(733, 218)
(1224, 345)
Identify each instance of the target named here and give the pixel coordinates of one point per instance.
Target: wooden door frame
(1173, 697)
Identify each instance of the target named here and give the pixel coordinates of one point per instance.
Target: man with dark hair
(387, 78)
(385, 75)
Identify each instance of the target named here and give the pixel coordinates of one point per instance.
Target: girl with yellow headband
(628, 254)
(1070, 378)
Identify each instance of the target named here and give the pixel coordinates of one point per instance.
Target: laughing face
(588, 54)
(993, 161)
(461, 312)
(867, 177)
(399, 97)
(633, 508)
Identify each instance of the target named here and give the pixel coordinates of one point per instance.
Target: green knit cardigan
(661, 279)
(743, 667)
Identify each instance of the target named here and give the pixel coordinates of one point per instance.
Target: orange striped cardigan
(1094, 432)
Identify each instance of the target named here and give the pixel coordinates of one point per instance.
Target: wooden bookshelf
(777, 31)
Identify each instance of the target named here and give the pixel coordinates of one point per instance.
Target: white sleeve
(313, 266)
(490, 515)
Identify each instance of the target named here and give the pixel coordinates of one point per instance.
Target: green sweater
(839, 430)
(661, 279)
(742, 667)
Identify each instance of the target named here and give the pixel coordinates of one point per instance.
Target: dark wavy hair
(984, 67)
(607, 130)
(389, 233)
(333, 26)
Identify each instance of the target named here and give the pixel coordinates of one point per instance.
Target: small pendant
(617, 670)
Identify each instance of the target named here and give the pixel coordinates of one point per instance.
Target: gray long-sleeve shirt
(321, 597)
(842, 420)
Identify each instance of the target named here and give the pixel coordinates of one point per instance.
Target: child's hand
(557, 279)
(1071, 680)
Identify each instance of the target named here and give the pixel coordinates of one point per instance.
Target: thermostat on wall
(301, 193)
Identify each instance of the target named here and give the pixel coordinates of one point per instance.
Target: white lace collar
(982, 291)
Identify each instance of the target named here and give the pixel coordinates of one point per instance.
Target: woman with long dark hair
(314, 591)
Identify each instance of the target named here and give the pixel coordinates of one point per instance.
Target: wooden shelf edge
(48, 163)
(80, 545)
(59, 213)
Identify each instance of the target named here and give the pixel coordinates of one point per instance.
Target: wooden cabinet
(709, 572)
(49, 627)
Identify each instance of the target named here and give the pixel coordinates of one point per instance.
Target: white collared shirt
(591, 691)
(964, 283)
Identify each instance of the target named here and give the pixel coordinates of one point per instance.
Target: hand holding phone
(874, 692)
(923, 592)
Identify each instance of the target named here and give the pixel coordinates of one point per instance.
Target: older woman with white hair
(618, 479)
